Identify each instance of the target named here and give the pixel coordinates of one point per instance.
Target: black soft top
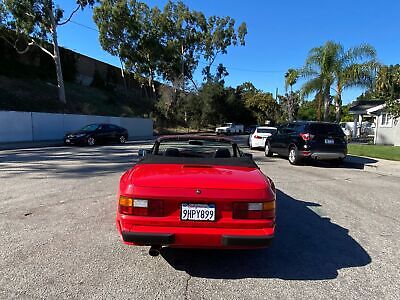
(211, 161)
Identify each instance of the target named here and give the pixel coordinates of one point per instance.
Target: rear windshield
(196, 148)
(325, 129)
(266, 130)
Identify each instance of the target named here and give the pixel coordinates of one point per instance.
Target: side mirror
(248, 155)
(144, 152)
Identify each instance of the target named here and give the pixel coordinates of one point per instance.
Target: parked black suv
(306, 139)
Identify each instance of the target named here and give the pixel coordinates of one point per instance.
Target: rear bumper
(323, 155)
(185, 237)
(327, 155)
(148, 238)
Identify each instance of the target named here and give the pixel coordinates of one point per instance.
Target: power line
(204, 64)
(85, 26)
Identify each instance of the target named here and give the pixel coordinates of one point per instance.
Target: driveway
(338, 235)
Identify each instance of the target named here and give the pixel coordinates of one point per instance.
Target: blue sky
(280, 34)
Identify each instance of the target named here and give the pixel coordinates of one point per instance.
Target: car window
(266, 130)
(299, 128)
(325, 129)
(91, 127)
(282, 129)
(112, 127)
(196, 148)
(291, 128)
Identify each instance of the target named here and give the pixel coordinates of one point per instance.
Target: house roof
(362, 106)
(374, 109)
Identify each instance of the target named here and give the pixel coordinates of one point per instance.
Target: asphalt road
(338, 235)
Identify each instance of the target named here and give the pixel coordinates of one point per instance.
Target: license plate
(67, 140)
(197, 212)
(329, 141)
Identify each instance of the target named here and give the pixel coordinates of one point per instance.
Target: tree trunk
(319, 106)
(338, 107)
(326, 106)
(183, 68)
(290, 107)
(123, 77)
(57, 60)
(151, 85)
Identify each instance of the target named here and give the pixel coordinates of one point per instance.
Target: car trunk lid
(197, 176)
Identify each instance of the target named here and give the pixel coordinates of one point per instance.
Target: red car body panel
(175, 184)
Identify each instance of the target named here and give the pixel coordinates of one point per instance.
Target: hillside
(23, 94)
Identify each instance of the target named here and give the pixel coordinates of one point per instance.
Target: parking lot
(338, 234)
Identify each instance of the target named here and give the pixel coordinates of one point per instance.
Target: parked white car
(258, 137)
(229, 128)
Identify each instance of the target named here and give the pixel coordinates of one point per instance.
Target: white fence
(32, 126)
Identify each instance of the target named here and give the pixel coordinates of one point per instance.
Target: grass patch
(377, 151)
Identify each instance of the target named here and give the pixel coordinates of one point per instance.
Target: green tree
(330, 66)
(388, 88)
(35, 24)
(247, 89)
(307, 111)
(290, 103)
(167, 43)
(218, 36)
(354, 68)
(130, 30)
(291, 77)
(264, 107)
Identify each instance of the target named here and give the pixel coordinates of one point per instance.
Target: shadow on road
(306, 247)
(350, 162)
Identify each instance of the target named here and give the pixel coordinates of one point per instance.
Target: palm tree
(319, 67)
(311, 86)
(355, 67)
(291, 77)
(331, 67)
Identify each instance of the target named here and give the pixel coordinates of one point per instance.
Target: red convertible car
(196, 192)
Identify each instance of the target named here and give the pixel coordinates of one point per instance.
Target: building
(361, 117)
(387, 130)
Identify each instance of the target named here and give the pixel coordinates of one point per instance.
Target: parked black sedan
(97, 133)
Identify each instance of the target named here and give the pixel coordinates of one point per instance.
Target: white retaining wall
(31, 126)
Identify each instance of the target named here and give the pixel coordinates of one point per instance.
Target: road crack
(187, 287)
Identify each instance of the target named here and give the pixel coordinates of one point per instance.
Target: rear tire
(293, 156)
(267, 149)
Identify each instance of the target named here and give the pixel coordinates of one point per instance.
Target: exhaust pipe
(155, 250)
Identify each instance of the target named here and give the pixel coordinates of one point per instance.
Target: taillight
(140, 207)
(307, 136)
(257, 137)
(254, 210)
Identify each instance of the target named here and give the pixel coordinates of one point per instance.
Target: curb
(58, 143)
(378, 166)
